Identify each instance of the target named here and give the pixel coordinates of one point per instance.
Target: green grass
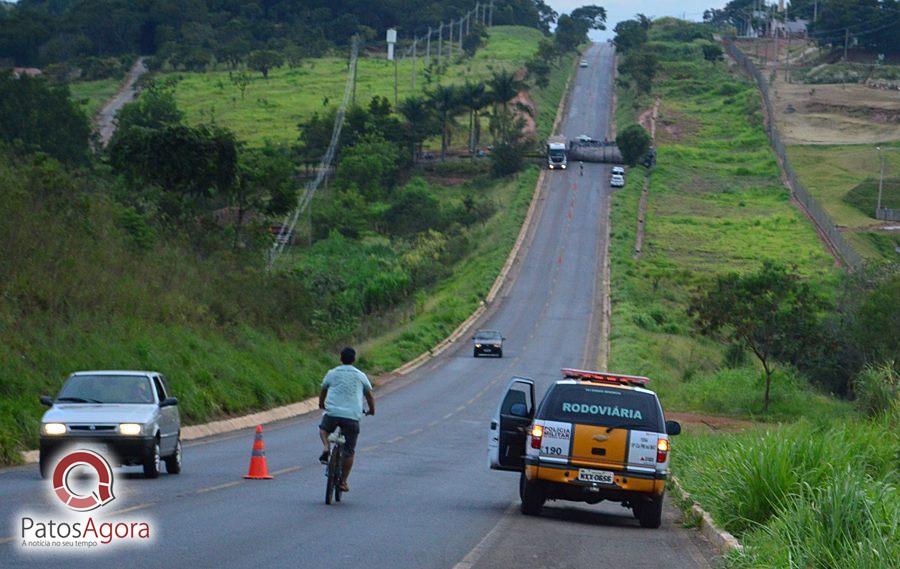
(439, 311)
(272, 108)
(831, 173)
(92, 95)
(716, 205)
(817, 493)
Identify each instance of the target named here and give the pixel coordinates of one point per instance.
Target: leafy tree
(473, 97)
(263, 184)
(770, 312)
(630, 34)
(190, 164)
(569, 34)
(641, 66)
(539, 71)
(233, 52)
(264, 60)
(592, 17)
(240, 80)
(712, 52)
(445, 102)
(474, 40)
(370, 167)
(155, 107)
(413, 210)
(633, 143)
(420, 121)
(504, 87)
(35, 116)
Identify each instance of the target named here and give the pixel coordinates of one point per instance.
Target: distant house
(790, 28)
(29, 71)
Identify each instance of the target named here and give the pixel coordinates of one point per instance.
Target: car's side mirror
(673, 428)
(503, 338)
(47, 400)
(518, 410)
(169, 402)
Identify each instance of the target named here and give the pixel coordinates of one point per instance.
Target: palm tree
(504, 87)
(473, 97)
(420, 118)
(445, 101)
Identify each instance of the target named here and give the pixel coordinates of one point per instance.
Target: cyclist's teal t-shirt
(346, 386)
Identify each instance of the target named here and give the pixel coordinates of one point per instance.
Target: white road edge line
(486, 542)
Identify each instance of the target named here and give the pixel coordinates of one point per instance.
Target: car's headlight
(563, 166)
(130, 429)
(54, 429)
(477, 345)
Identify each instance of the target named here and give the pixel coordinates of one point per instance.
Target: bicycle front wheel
(331, 484)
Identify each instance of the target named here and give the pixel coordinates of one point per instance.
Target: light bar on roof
(605, 377)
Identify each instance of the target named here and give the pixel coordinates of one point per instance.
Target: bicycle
(334, 470)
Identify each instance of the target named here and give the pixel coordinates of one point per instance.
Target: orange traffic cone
(258, 468)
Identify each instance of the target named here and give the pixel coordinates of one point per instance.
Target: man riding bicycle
(341, 397)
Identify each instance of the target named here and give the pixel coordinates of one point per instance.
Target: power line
(286, 231)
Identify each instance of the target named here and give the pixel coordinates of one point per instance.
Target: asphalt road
(105, 120)
(422, 495)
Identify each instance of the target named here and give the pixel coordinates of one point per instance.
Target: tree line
(192, 34)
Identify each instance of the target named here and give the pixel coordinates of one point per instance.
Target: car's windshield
(557, 153)
(487, 335)
(602, 406)
(107, 389)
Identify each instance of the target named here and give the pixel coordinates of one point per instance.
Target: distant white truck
(557, 153)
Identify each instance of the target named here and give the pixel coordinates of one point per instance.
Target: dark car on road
(487, 342)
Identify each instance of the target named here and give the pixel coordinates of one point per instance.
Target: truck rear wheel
(532, 496)
(649, 513)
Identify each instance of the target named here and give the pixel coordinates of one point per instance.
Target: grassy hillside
(716, 204)
(272, 108)
(831, 173)
(97, 284)
(92, 95)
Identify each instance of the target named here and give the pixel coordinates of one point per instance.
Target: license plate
(596, 476)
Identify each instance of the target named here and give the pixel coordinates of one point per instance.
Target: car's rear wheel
(173, 463)
(532, 496)
(151, 461)
(649, 513)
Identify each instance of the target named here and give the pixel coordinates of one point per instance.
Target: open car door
(509, 426)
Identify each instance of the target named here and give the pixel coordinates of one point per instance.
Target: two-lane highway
(422, 495)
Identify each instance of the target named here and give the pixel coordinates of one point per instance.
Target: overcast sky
(618, 10)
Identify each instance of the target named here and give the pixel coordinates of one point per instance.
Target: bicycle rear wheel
(339, 472)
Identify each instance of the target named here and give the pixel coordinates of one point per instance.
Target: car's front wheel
(44, 465)
(475, 353)
(532, 496)
(151, 461)
(173, 463)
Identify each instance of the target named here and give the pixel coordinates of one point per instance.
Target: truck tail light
(537, 433)
(662, 450)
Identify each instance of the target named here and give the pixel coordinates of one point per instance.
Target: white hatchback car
(129, 416)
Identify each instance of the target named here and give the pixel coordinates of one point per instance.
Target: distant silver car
(618, 171)
(129, 416)
(583, 63)
(617, 181)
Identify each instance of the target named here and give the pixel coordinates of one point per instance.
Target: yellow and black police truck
(595, 436)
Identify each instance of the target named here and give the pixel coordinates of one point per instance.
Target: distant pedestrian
(580, 168)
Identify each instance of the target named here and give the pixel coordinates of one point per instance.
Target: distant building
(790, 28)
(29, 71)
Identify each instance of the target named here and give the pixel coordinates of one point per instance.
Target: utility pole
(846, 41)
(428, 48)
(815, 10)
(491, 16)
(415, 61)
(880, 182)
(460, 34)
(787, 56)
(450, 45)
(440, 42)
(396, 100)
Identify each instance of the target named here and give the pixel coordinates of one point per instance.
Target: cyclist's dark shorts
(349, 428)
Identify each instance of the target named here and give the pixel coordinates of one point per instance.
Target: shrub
(877, 388)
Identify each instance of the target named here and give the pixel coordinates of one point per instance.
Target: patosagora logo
(100, 496)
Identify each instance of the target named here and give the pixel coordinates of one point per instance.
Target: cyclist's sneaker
(345, 487)
(323, 458)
